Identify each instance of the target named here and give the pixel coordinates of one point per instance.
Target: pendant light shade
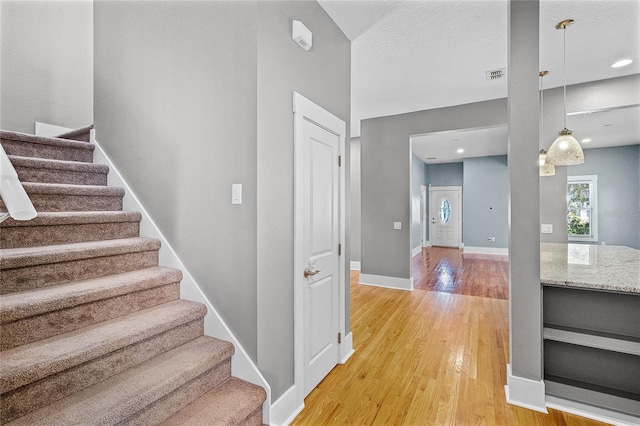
(544, 168)
(565, 150)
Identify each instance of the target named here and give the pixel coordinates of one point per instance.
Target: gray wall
(385, 171)
(417, 178)
(618, 192)
(194, 96)
(46, 64)
(356, 210)
(322, 75)
(175, 108)
(553, 205)
(485, 202)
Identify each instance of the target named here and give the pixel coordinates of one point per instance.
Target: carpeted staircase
(92, 330)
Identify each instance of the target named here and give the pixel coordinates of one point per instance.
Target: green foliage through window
(579, 209)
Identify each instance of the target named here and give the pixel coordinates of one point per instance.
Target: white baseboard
(286, 408)
(525, 392)
(387, 282)
(355, 265)
(241, 364)
(427, 244)
(416, 251)
(487, 250)
(346, 348)
(49, 130)
(591, 412)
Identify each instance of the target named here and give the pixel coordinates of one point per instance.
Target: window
(582, 208)
(445, 211)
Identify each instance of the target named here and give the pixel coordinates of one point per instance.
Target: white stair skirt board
(591, 412)
(487, 250)
(388, 282)
(285, 409)
(416, 251)
(241, 364)
(355, 265)
(49, 130)
(346, 348)
(525, 392)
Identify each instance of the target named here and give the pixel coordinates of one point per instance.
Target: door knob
(308, 272)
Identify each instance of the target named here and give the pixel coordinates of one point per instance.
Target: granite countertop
(611, 268)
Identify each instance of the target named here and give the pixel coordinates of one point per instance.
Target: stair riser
(43, 392)
(53, 152)
(181, 397)
(65, 203)
(254, 419)
(32, 277)
(53, 323)
(29, 174)
(32, 236)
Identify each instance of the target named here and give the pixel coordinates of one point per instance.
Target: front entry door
(445, 219)
(321, 237)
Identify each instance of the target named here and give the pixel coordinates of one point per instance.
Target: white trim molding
(416, 251)
(387, 282)
(241, 364)
(286, 408)
(346, 348)
(487, 250)
(591, 412)
(355, 265)
(427, 244)
(525, 392)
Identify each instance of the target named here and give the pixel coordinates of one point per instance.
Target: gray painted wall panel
(356, 203)
(417, 179)
(553, 205)
(46, 64)
(484, 202)
(175, 108)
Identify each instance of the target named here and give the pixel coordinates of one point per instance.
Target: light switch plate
(236, 193)
(546, 228)
(397, 225)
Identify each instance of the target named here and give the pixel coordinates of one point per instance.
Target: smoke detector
(496, 74)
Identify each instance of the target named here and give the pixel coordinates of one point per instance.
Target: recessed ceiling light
(460, 151)
(587, 140)
(622, 63)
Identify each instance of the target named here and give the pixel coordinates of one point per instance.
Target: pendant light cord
(564, 65)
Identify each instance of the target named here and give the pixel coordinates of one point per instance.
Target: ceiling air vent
(432, 158)
(496, 74)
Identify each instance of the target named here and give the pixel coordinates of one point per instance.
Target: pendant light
(565, 150)
(545, 168)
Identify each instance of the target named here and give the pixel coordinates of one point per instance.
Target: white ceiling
(416, 55)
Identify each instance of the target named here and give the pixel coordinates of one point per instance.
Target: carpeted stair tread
(82, 134)
(26, 145)
(71, 189)
(50, 228)
(74, 218)
(16, 306)
(27, 363)
(114, 400)
(230, 403)
(44, 170)
(29, 256)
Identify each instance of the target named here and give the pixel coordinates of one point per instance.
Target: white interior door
(445, 216)
(321, 237)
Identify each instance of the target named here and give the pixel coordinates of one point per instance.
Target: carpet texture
(92, 330)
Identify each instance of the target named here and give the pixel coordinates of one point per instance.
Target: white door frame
(424, 215)
(448, 188)
(305, 109)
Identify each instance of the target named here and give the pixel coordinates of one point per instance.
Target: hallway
(428, 357)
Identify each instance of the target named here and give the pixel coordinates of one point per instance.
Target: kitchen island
(591, 315)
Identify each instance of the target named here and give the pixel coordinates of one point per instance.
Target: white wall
(46, 64)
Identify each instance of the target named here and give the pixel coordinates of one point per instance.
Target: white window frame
(593, 202)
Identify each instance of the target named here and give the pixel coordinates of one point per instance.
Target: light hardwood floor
(425, 358)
